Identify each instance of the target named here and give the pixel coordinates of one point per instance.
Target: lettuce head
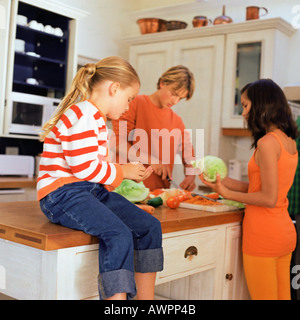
(210, 166)
(132, 191)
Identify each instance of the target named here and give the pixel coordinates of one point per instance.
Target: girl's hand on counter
(136, 171)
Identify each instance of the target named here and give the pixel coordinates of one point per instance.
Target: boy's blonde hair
(114, 69)
(180, 77)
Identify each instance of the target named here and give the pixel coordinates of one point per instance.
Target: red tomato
(173, 202)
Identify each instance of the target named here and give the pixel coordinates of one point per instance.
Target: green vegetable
(210, 166)
(155, 202)
(132, 191)
(233, 203)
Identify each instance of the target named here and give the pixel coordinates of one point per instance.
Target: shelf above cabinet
(236, 132)
(212, 30)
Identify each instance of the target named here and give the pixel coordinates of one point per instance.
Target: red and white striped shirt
(76, 149)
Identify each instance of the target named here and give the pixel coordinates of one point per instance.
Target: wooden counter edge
(72, 238)
(16, 183)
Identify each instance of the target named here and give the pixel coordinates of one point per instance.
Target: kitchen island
(41, 260)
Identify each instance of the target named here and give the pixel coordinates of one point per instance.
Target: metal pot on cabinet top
(223, 19)
(201, 21)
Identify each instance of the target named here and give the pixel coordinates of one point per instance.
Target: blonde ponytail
(114, 69)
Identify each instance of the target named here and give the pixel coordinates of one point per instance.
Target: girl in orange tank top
(269, 236)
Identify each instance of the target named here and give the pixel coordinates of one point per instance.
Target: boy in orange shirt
(152, 133)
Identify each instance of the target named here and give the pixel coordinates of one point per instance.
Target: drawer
(187, 253)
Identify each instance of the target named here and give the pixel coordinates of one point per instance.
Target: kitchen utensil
(33, 54)
(49, 29)
(252, 12)
(234, 169)
(201, 21)
(33, 24)
(58, 32)
(21, 20)
(16, 165)
(19, 45)
(32, 81)
(175, 25)
(151, 25)
(223, 19)
(40, 27)
(192, 193)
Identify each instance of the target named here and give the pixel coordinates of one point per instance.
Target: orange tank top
(269, 232)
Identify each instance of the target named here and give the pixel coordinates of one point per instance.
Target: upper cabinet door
(250, 56)
(150, 61)
(4, 35)
(202, 114)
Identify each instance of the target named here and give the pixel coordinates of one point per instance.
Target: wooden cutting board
(211, 208)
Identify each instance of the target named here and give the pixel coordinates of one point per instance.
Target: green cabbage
(132, 191)
(210, 166)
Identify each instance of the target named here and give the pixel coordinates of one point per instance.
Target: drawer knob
(229, 276)
(190, 252)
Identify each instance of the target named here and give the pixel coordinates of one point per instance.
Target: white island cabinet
(41, 260)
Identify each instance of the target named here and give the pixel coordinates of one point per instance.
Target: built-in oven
(26, 113)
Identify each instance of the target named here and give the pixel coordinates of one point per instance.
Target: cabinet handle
(190, 252)
(229, 276)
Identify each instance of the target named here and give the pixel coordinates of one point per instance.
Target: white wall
(100, 34)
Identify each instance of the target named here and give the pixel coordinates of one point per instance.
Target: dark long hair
(268, 106)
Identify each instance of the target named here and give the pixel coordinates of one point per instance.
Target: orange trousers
(268, 278)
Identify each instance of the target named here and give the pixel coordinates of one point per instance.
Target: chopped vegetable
(202, 201)
(156, 192)
(213, 195)
(146, 208)
(233, 203)
(155, 202)
(173, 202)
(210, 166)
(132, 191)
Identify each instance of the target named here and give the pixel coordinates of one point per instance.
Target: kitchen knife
(193, 194)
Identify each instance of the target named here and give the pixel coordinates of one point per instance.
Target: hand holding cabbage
(212, 170)
(210, 166)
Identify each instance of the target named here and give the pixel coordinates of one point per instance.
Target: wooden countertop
(24, 222)
(17, 182)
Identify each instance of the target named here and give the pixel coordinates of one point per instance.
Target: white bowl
(19, 45)
(21, 20)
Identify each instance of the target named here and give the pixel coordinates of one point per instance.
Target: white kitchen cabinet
(201, 114)
(234, 282)
(4, 35)
(212, 271)
(54, 58)
(211, 54)
(251, 56)
(195, 266)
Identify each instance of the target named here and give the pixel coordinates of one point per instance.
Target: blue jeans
(130, 239)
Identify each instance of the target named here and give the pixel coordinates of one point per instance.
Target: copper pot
(252, 13)
(201, 21)
(223, 19)
(151, 25)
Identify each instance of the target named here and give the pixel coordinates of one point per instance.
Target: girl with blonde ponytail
(75, 171)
